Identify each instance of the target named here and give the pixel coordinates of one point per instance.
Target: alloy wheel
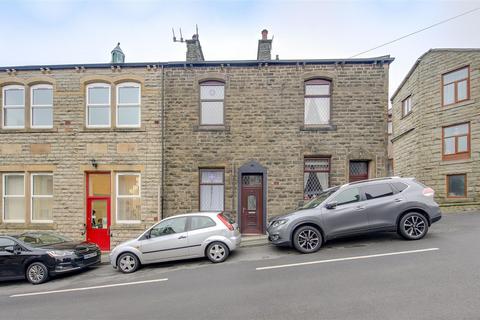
(127, 263)
(414, 226)
(36, 273)
(217, 252)
(308, 240)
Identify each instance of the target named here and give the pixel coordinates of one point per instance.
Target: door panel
(252, 204)
(383, 205)
(98, 215)
(10, 263)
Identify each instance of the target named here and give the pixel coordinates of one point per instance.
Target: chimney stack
(264, 47)
(194, 49)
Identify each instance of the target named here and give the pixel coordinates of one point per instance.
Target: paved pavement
(375, 277)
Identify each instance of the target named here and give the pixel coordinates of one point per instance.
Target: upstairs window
(128, 105)
(317, 102)
(456, 142)
(41, 106)
(212, 95)
(98, 105)
(13, 107)
(407, 106)
(456, 86)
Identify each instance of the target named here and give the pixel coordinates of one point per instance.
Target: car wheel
(413, 226)
(307, 239)
(217, 252)
(128, 262)
(37, 273)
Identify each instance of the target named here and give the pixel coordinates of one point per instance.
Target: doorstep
(254, 240)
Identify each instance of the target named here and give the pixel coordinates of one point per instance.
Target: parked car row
(399, 205)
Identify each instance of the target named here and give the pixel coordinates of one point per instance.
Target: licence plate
(90, 255)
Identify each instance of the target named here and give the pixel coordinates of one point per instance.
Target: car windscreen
(42, 239)
(318, 199)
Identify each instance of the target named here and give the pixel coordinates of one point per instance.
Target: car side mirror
(12, 249)
(331, 205)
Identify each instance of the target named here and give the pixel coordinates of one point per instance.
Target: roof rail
(374, 179)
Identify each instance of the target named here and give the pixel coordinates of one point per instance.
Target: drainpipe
(162, 200)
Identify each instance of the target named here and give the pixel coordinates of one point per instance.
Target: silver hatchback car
(194, 235)
(401, 205)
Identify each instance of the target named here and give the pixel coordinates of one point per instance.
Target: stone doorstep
(247, 241)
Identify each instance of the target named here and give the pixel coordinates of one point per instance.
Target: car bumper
(235, 240)
(279, 237)
(78, 263)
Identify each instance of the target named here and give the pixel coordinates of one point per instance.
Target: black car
(39, 255)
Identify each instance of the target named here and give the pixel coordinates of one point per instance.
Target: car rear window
(400, 186)
(378, 190)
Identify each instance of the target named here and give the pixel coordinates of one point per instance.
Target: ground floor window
(456, 185)
(212, 189)
(13, 197)
(316, 176)
(42, 197)
(128, 197)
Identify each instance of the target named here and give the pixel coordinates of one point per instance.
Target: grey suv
(402, 205)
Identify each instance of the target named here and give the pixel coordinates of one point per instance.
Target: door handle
(398, 200)
(182, 237)
(360, 208)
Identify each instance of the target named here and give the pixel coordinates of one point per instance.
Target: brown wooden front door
(358, 171)
(252, 204)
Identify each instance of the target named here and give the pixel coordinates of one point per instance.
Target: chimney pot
(264, 34)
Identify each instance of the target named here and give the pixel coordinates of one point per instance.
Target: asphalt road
(392, 279)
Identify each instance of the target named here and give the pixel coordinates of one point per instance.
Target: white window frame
(123, 85)
(32, 196)
(14, 196)
(4, 107)
(139, 175)
(87, 105)
(40, 106)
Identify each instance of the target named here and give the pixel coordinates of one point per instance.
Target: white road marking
(346, 259)
(87, 288)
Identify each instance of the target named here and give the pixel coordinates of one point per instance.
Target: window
(389, 127)
(400, 186)
(128, 105)
(407, 106)
(456, 186)
(212, 190)
(5, 242)
(456, 142)
(456, 86)
(14, 197)
(128, 198)
(201, 223)
(170, 226)
(375, 191)
(316, 176)
(317, 101)
(98, 105)
(212, 95)
(42, 197)
(41, 106)
(351, 195)
(13, 107)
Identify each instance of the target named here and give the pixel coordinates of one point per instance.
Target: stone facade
(417, 137)
(264, 122)
(67, 149)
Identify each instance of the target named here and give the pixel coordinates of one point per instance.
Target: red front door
(98, 217)
(358, 171)
(252, 204)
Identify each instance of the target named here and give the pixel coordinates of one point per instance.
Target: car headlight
(278, 223)
(59, 253)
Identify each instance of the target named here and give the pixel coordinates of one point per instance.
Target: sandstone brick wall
(264, 112)
(67, 149)
(419, 153)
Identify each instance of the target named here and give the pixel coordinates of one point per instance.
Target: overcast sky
(58, 32)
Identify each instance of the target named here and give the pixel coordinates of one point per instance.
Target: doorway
(98, 214)
(252, 204)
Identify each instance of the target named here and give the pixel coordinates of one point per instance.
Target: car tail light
(225, 221)
(428, 192)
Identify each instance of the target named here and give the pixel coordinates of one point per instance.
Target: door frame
(88, 200)
(253, 167)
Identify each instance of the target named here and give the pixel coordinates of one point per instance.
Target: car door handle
(360, 208)
(398, 200)
(182, 237)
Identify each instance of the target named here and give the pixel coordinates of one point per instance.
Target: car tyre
(307, 239)
(413, 226)
(37, 273)
(217, 252)
(128, 262)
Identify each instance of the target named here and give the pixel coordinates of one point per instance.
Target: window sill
(198, 128)
(323, 127)
(406, 115)
(453, 157)
(28, 130)
(457, 104)
(25, 225)
(130, 226)
(115, 129)
(455, 161)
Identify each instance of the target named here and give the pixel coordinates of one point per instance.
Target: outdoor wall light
(94, 163)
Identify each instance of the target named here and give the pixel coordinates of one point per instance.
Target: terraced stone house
(436, 125)
(102, 151)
